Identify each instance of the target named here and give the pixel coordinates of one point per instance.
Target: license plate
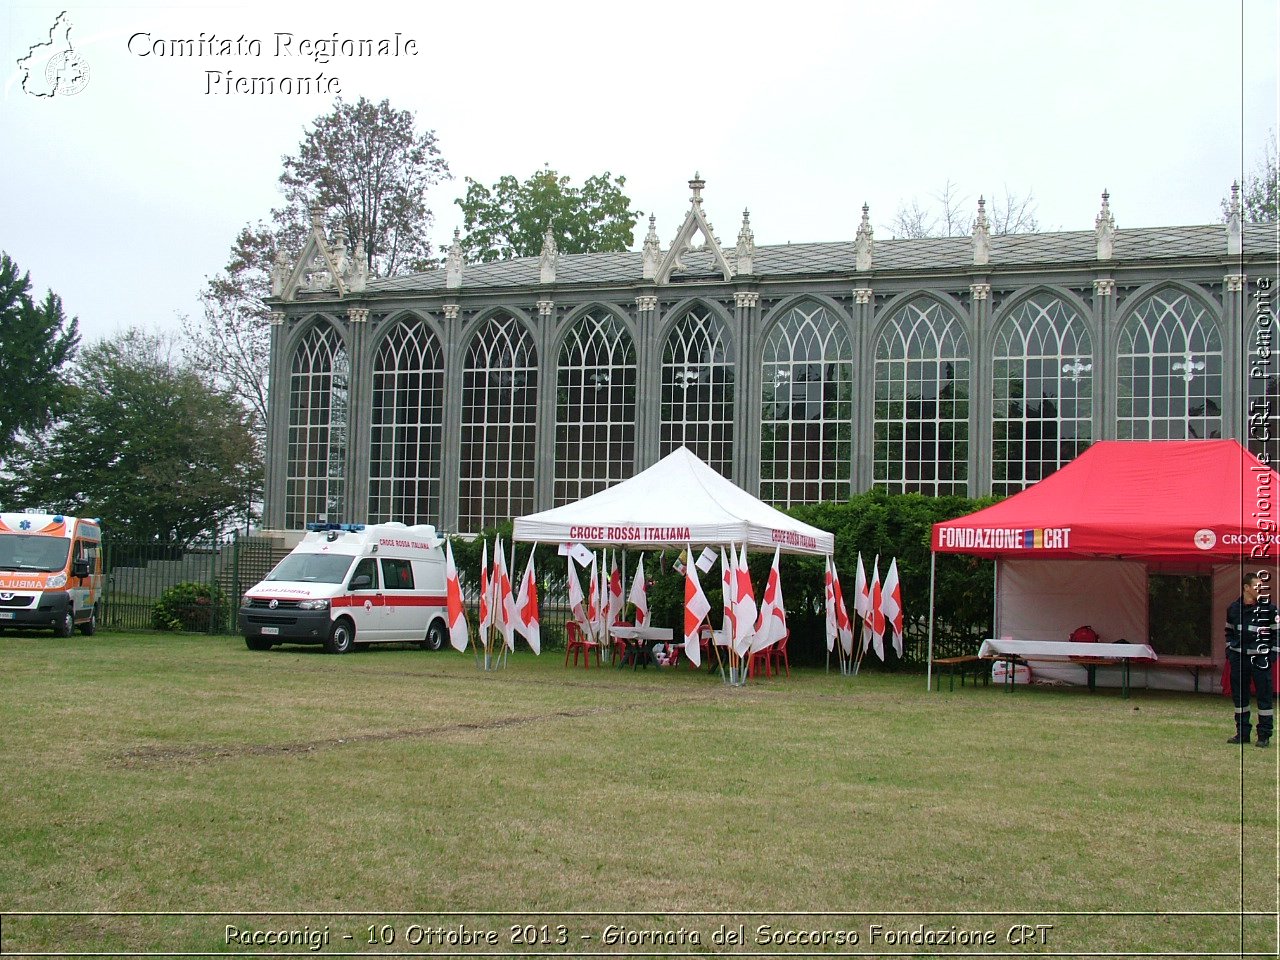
(270, 631)
(8, 616)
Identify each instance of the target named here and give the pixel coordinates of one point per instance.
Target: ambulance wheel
(63, 626)
(436, 636)
(258, 643)
(90, 626)
(341, 637)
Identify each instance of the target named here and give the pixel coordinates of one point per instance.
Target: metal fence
(137, 576)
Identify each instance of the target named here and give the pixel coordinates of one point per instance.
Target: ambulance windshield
(312, 568)
(28, 552)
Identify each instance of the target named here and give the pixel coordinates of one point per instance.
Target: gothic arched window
(405, 442)
(922, 402)
(1042, 392)
(698, 390)
(319, 378)
(806, 395)
(1169, 371)
(499, 424)
(595, 407)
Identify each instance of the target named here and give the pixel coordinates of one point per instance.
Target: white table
(625, 632)
(1088, 655)
(641, 636)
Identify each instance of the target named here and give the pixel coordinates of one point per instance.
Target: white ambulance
(347, 584)
(50, 572)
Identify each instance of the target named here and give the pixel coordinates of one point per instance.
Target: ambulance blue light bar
(348, 527)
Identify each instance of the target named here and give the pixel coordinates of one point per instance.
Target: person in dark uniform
(1252, 621)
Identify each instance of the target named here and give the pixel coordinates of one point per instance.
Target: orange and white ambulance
(349, 584)
(50, 572)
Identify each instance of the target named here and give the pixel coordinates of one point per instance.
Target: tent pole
(933, 566)
(995, 601)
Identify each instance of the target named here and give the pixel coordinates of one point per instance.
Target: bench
(1193, 666)
(962, 666)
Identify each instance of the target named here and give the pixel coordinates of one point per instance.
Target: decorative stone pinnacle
(651, 254)
(981, 236)
(746, 251)
(696, 185)
(1235, 223)
(1105, 228)
(549, 259)
(453, 264)
(864, 241)
(317, 217)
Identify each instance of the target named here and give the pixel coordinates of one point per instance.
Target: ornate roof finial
(864, 242)
(1105, 228)
(746, 246)
(550, 258)
(317, 218)
(981, 236)
(1235, 223)
(696, 185)
(453, 264)
(358, 274)
(652, 253)
(279, 273)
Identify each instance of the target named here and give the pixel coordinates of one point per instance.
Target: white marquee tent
(678, 501)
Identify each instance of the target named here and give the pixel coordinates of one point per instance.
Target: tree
(1260, 192)
(233, 339)
(146, 443)
(954, 214)
(368, 169)
(36, 343)
(367, 166)
(511, 218)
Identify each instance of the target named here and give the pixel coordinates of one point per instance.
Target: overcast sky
(124, 197)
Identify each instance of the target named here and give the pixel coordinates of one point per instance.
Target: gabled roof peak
(695, 222)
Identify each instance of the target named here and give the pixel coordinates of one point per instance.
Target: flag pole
(933, 563)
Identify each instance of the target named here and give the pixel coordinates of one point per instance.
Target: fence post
(233, 601)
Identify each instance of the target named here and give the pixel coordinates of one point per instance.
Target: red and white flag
(615, 592)
(527, 608)
(504, 603)
(457, 618)
(745, 612)
(844, 626)
(875, 614)
(772, 625)
(638, 597)
(829, 604)
(891, 605)
(593, 602)
(728, 586)
(486, 596)
(862, 601)
(696, 608)
(576, 599)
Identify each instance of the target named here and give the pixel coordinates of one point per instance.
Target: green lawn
(186, 773)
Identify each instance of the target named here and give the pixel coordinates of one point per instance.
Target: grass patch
(171, 773)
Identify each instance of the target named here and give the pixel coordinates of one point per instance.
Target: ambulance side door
(368, 609)
(399, 593)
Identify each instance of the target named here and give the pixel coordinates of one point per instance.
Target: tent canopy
(679, 500)
(1193, 502)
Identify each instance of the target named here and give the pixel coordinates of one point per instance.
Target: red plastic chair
(769, 658)
(619, 645)
(575, 642)
(778, 654)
